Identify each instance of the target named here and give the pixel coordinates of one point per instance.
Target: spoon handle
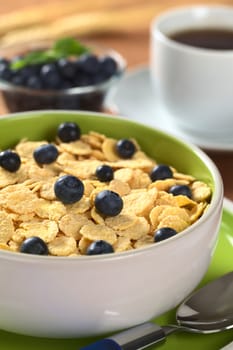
(136, 338)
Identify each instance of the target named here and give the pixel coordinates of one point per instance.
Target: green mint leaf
(18, 65)
(32, 58)
(69, 47)
(62, 48)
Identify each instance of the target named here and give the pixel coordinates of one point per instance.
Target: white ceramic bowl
(91, 295)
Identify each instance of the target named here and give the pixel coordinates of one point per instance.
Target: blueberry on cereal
(68, 132)
(125, 148)
(99, 247)
(164, 233)
(108, 203)
(10, 160)
(183, 190)
(34, 245)
(104, 173)
(45, 154)
(68, 189)
(161, 172)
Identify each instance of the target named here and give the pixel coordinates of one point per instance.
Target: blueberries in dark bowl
(65, 75)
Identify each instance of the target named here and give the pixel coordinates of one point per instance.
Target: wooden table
(131, 39)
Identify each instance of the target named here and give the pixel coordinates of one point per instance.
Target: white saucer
(135, 99)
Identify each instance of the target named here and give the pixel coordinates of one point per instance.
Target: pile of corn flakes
(29, 207)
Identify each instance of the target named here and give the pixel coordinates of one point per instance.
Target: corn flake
(46, 229)
(200, 191)
(70, 224)
(140, 228)
(95, 232)
(6, 227)
(62, 246)
(122, 244)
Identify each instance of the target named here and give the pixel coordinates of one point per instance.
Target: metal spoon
(208, 310)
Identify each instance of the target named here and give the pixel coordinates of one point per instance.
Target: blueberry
(99, 247)
(10, 160)
(5, 72)
(99, 77)
(66, 84)
(83, 79)
(69, 189)
(164, 233)
(108, 66)
(67, 68)
(89, 63)
(108, 203)
(45, 154)
(125, 148)
(180, 189)
(104, 173)
(50, 76)
(47, 69)
(28, 77)
(34, 245)
(161, 172)
(68, 132)
(18, 80)
(34, 82)
(28, 71)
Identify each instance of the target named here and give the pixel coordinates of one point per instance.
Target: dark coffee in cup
(206, 38)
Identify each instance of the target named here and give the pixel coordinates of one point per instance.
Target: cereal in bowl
(87, 194)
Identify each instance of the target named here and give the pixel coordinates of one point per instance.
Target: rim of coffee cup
(198, 11)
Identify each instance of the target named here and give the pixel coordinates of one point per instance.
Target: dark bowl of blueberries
(65, 74)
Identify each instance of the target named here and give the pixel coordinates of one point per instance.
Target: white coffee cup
(194, 85)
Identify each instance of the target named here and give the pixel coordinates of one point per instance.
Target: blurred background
(121, 24)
